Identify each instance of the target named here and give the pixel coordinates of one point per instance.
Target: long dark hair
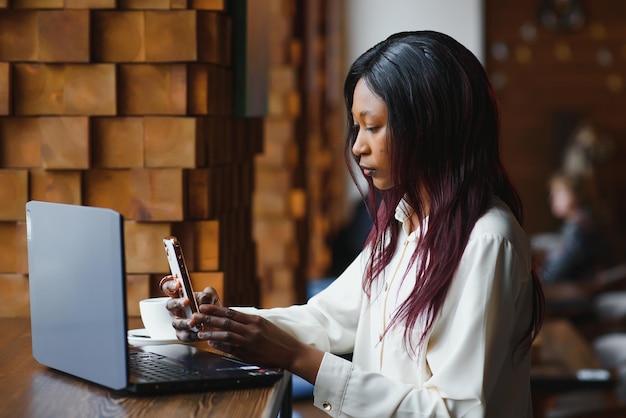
(444, 132)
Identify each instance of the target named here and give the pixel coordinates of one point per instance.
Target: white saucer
(140, 336)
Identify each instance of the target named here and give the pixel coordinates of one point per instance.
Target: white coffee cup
(156, 318)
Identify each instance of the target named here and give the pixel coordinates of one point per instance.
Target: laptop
(78, 311)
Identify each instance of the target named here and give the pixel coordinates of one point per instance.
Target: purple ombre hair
(444, 133)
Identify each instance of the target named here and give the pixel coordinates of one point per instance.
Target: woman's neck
(415, 222)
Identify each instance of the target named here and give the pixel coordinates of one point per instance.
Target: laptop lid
(78, 307)
(77, 292)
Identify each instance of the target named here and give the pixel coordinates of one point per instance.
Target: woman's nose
(359, 147)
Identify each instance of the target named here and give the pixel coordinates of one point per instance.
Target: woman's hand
(172, 287)
(248, 337)
(253, 338)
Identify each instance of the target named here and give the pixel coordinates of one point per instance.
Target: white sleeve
(469, 352)
(329, 320)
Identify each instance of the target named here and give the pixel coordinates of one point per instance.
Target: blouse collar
(403, 215)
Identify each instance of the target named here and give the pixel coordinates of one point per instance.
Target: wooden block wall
(127, 104)
(327, 199)
(275, 225)
(550, 77)
(300, 194)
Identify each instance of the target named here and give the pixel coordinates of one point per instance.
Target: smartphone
(178, 268)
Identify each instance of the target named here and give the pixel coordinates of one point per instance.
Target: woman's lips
(368, 171)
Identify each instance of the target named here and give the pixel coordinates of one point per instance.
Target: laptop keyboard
(152, 367)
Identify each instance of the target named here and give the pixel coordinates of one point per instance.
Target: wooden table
(563, 361)
(567, 299)
(30, 390)
(575, 298)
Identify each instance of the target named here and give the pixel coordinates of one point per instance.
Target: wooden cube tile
(170, 36)
(208, 4)
(20, 142)
(14, 299)
(144, 246)
(185, 232)
(13, 194)
(283, 79)
(60, 89)
(247, 139)
(282, 278)
(218, 137)
(157, 194)
(21, 245)
(237, 223)
(210, 37)
(144, 4)
(277, 179)
(89, 90)
(271, 203)
(278, 298)
(5, 88)
(13, 247)
(38, 89)
(8, 247)
(201, 196)
(152, 89)
(207, 245)
(227, 91)
(277, 105)
(298, 203)
(239, 185)
(200, 242)
(239, 289)
(226, 35)
(119, 36)
(178, 4)
(155, 278)
(279, 230)
(137, 288)
(65, 142)
(172, 142)
(221, 190)
(198, 88)
(220, 91)
(207, 188)
(274, 152)
(108, 189)
(90, 4)
(117, 142)
(60, 186)
(18, 35)
(201, 280)
(63, 35)
(210, 90)
(37, 4)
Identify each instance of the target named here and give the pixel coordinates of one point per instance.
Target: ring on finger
(164, 280)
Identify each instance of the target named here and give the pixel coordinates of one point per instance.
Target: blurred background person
(580, 248)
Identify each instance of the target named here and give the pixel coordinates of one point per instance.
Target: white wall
(371, 21)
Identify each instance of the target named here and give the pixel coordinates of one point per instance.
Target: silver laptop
(78, 311)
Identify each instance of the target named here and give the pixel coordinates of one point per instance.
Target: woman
(580, 249)
(440, 308)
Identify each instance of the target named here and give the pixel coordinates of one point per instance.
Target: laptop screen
(77, 293)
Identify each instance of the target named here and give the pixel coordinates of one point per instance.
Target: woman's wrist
(306, 362)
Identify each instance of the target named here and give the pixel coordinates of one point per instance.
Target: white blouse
(469, 367)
